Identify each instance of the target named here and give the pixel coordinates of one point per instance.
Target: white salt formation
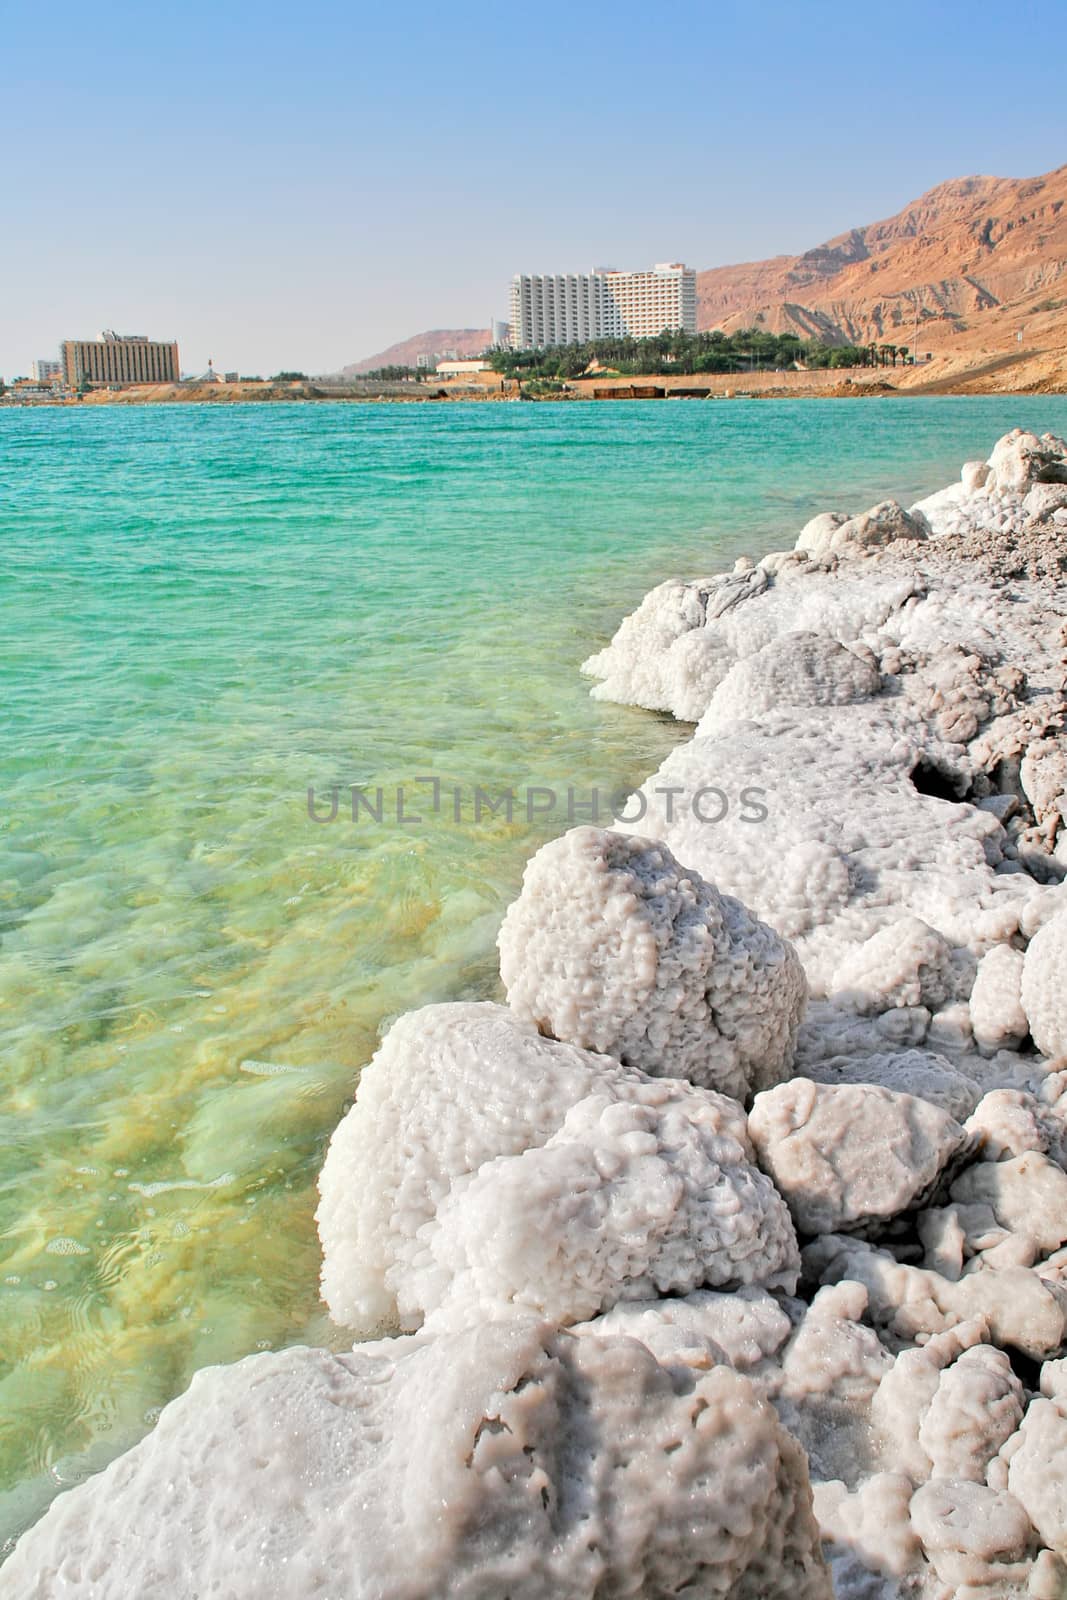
(648, 1190)
(826, 535)
(509, 1461)
(452, 1086)
(919, 1073)
(996, 1007)
(468, 1124)
(851, 1156)
(882, 710)
(615, 946)
(797, 669)
(1044, 987)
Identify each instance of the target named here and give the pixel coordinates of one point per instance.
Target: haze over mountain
(464, 341)
(969, 265)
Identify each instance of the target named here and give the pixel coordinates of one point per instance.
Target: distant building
(572, 307)
(47, 371)
(499, 334)
(459, 369)
(132, 358)
(423, 363)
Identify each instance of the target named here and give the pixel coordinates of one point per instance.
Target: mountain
(963, 271)
(972, 260)
(464, 341)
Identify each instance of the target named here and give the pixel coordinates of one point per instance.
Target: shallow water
(206, 611)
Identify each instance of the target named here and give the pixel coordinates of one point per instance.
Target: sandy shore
(978, 371)
(729, 1256)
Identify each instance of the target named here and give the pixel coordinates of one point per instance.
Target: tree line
(748, 350)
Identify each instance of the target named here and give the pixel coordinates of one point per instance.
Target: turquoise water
(206, 611)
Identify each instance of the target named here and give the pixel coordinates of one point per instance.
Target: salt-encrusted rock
(907, 963)
(1043, 777)
(973, 1535)
(997, 1014)
(977, 1406)
(1044, 987)
(826, 1377)
(873, 1524)
(677, 647)
(1053, 1382)
(1044, 501)
(1021, 1309)
(663, 657)
(815, 535)
(1041, 907)
(615, 946)
(1021, 459)
(921, 1073)
(832, 1033)
(646, 1189)
(832, 1352)
(813, 883)
(511, 1460)
(879, 526)
(1048, 1577)
(743, 1330)
(1037, 1471)
(950, 1027)
(974, 475)
(943, 1239)
(796, 669)
(844, 844)
(1008, 1122)
(956, 691)
(451, 1087)
(1027, 1194)
(850, 1156)
(906, 1392)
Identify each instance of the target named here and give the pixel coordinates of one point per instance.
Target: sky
(296, 187)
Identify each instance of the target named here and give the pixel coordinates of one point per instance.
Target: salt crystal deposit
(509, 1460)
(655, 1327)
(615, 946)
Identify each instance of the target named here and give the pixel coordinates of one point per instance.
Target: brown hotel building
(113, 359)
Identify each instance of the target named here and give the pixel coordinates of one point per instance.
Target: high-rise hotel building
(132, 358)
(571, 307)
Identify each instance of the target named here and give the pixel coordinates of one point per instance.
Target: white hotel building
(571, 307)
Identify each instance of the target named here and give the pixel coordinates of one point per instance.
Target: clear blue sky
(297, 186)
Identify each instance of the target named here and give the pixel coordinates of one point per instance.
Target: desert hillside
(464, 341)
(974, 272)
(971, 264)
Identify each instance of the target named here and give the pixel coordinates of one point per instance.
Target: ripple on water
(226, 608)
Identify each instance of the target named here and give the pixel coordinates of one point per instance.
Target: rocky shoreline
(728, 1257)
